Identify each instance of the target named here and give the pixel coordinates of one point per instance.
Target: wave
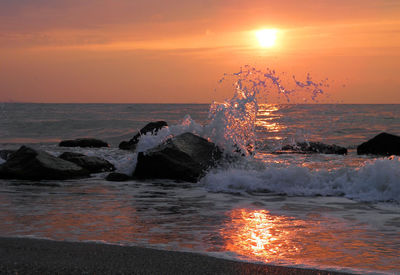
(376, 180)
(232, 127)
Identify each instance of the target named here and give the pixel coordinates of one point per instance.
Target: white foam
(377, 180)
(150, 140)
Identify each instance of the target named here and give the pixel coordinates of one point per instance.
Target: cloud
(62, 23)
(39, 15)
(44, 15)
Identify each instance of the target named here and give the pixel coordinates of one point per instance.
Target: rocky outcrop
(83, 142)
(117, 177)
(185, 157)
(383, 144)
(152, 127)
(92, 164)
(313, 147)
(5, 154)
(30, 164)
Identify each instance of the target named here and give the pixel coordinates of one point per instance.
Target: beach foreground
(32, 256)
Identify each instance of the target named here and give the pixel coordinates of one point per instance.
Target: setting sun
(266, 37)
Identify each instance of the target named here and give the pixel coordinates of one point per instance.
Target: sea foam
(376, 180)
(232, 127)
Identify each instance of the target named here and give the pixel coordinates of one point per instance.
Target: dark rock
(383, 144)
(5, 154)
(30, 164)
(92, 164)
(313, 147)
(184, 157)
(152, 127)
(117, 177)
(83, 142)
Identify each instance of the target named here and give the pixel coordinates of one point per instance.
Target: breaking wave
(376, 180)
(232, 127)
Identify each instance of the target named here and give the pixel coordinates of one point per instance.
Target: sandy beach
(32, 256)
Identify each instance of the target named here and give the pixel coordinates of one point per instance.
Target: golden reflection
(260, 236)
(257, 234)
(266, 116)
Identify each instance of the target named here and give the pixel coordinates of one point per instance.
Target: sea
(320, 211)
(335, 212)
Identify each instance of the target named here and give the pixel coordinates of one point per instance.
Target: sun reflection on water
(257, 234)
(266, 119)
(260, 236)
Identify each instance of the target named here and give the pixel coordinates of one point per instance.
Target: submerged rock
(92, 164)
(5, 154)
(30, 164)
(117, 177)
(383, 144)
(184, 157)
(152, 127)
(83, 142)
(313, 147)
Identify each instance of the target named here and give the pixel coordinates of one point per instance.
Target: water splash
(232, 122)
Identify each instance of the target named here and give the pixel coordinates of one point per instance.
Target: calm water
(323, 211)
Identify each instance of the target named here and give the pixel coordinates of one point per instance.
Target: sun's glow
(266, 37)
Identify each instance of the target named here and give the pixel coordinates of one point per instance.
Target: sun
(266, 37)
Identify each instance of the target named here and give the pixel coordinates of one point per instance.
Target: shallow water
(311, 231)
(322, 211)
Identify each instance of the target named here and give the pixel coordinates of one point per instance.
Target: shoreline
(38, 256)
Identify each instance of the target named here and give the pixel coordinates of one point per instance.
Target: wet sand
(32, 256)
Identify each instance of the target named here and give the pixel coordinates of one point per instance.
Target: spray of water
(232, 122)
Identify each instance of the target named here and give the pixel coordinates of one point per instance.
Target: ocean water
(320, 211)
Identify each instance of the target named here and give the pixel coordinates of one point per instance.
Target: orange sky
(176, 50)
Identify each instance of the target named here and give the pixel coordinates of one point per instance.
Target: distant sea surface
(320, 211)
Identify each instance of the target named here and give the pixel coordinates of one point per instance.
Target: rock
(92, 164)
(184, 157)
(313, 147)
(383, 144)
(5, 154)
(30, 164)
(83, 142)
(152, 127)
(117, 177)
